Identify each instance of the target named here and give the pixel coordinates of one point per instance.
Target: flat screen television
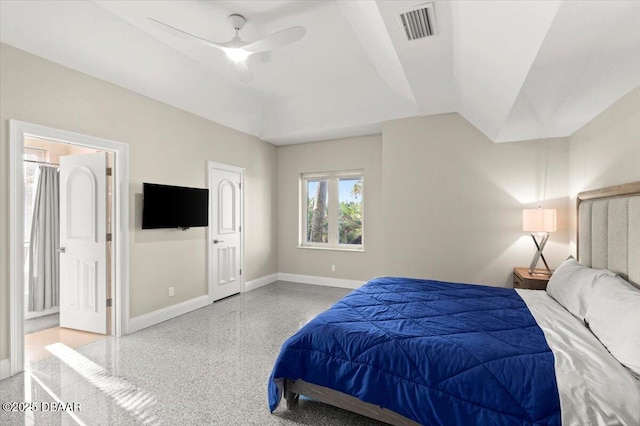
(166, 206)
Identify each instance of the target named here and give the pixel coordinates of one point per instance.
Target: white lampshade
(539, 220)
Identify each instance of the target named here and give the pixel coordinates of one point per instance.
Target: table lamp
(539, 221)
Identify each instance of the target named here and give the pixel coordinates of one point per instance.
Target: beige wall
(167, 145)
(344, 154)
(453, 200)
(441, 201)
(605, 152)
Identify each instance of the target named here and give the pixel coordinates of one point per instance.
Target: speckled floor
(210, 366)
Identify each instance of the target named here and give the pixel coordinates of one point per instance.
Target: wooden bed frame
(294, 388)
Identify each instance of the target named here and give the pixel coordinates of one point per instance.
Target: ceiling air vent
(419, 22)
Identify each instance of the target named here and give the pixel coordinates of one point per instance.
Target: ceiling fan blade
(187, 36)
(244, 72)
(276, 40)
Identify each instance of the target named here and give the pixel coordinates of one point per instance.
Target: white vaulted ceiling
(515, 69)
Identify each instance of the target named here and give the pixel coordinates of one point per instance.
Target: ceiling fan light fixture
(237, 55)
(237, 50)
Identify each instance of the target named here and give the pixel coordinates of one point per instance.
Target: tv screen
(166, 206)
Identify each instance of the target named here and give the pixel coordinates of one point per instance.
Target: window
(332, 210)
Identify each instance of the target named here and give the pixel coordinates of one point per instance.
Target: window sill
(357, 250)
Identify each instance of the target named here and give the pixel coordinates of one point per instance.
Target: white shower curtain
(44, 259)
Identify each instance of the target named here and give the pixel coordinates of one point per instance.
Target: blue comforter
(437, 353)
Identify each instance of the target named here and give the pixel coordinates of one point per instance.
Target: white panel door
(83, 248)
(225, 232)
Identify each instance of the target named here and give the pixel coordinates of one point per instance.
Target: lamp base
(538, 255)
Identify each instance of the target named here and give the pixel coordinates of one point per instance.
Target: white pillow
(614, 317)
(571, 283)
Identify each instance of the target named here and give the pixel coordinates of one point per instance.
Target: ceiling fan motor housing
(237, 21)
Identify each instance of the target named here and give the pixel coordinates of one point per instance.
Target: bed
(408, 351)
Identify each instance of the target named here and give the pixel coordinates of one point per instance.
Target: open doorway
(78, 175)
(42, 289)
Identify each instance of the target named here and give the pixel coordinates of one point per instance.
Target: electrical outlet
(333, 268)
(171, 291)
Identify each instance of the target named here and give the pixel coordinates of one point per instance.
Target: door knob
(62, 250)
(218, 241)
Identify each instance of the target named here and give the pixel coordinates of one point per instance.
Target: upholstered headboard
(609, 230)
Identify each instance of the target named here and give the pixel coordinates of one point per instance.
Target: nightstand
(523, 279)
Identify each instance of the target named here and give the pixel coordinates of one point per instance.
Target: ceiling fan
(236, 49)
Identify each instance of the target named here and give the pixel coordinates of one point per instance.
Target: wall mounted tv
(166, 206)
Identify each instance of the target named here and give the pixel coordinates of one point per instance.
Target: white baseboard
(50, 311)
(164, 314)
(5, 368)
(259, 282)
(326, 281)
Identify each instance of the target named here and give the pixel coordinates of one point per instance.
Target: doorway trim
(18, 130)
(229, 168)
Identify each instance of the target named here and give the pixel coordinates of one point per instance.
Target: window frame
(333, 211)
